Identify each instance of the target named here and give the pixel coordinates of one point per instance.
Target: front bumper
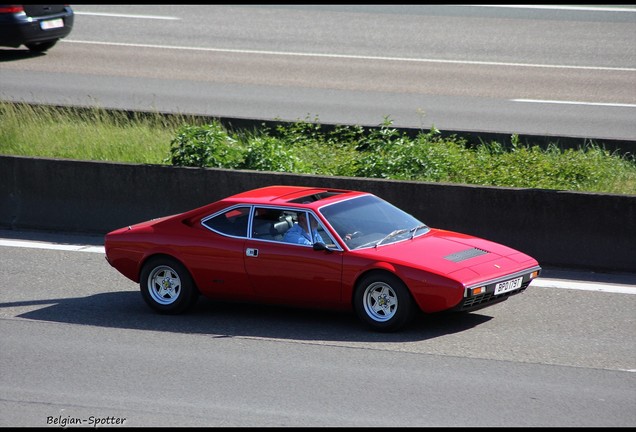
(473, 302)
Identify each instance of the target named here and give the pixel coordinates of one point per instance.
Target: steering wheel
(353, 235)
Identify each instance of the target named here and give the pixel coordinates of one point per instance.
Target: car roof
(278, 195)
(296, 195)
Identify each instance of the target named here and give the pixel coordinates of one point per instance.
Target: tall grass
(94, 134)
(306, 147)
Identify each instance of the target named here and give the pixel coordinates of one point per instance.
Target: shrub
(205, 146)
(266, 153)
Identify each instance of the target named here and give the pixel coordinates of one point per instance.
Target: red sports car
(315, 247)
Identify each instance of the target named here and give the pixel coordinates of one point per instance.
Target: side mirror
(319, 246)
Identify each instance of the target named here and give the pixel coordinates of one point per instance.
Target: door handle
(251, 252)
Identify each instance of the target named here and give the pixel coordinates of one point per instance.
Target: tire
(41, 46)
(166, 286)
(383, 302)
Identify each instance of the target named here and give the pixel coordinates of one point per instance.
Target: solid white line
(126, 15)
(355, 57)
(575, 8)
(541, 7)
(56, 246)
(537, 283)
(575, 103)
(583, 286)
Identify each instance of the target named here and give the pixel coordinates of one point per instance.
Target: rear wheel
(383, 302)
(166, 286)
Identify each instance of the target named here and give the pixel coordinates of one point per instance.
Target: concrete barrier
(565, 229)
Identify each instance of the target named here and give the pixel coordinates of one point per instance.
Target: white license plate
(511, 285)
(52, 24)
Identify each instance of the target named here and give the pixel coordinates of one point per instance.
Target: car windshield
(369, 221)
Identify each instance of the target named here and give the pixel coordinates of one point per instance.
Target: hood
(470, 259)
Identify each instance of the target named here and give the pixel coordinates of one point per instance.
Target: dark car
(38, 27)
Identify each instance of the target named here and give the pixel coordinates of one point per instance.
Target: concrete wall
(566, 229)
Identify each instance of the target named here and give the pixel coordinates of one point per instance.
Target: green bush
(265, 153)
(386, 153)
(205, 146)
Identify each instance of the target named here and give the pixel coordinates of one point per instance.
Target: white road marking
(541, 282)
(356, 57)
(574, 103)
(56, 246)
(105, 14)
(625, 8)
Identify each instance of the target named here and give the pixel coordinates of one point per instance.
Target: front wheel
(383, 302)
(166, 286)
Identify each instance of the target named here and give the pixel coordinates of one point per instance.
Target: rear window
(231, 222)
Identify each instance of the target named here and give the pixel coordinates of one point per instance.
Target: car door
(217, 260)
(293, 273)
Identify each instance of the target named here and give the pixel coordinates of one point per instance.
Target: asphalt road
(528, 70)
(78, 342)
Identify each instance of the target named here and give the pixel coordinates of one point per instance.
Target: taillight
(11, 9)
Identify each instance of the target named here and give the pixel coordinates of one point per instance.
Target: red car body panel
(438, 267)
(443, 287)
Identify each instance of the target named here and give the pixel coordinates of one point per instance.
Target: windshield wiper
(390, 235)
(414, 230)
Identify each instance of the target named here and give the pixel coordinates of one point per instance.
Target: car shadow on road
(7, 55)
(223, 319)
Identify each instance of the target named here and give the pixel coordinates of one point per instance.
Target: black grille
(486, 299)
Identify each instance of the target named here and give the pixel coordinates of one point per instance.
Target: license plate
(511, 285)
(52, 24)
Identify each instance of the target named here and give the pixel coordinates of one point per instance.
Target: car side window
(270, 223)
(232, 222)
(301, 236)
(325, 236)
(322, 235)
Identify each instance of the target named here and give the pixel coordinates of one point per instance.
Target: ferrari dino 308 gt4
(344, 250)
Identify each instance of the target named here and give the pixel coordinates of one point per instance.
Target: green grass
(306, 147)
(98, 135)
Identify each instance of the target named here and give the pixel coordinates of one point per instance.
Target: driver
(299, 233)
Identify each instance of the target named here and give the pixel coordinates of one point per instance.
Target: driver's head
(302, 220)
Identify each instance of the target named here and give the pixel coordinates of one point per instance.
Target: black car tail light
(11, 9)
